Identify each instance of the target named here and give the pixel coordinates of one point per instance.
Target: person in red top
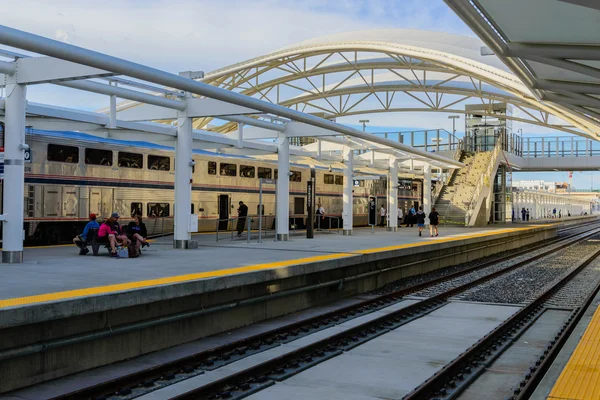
(108, 232)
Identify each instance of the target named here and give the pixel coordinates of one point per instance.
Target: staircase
(455, 198)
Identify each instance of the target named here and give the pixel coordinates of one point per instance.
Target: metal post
(426, 137)
(437, 141)
(542, 147)
(557, 147)
(249, 226)
(240, 138)
(427, 189)
(528, 148)
(571, 146)
(347, 212)
(412, 139)
(183, 181)
(260, 209)
(14, 172)
(283, 189)
(393, 195)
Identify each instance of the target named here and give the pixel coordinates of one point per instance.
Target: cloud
(62, 35)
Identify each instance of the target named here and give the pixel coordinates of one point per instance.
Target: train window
(276, 174)
(264, 173)
(259, 208)
(130, 160)
(247, 171)
(212, 168)
(228, 169)
(328, 179)
(159, 163)
(296, 176)
(98, 157)
(158, 210)
(136, 209)
(339, 179)
(192, 208)
(67, 154)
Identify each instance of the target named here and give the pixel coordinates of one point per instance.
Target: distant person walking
(400, 216)
(242, 214)
(382, 215)
(434, 220)
(410, 217)
(420, 220)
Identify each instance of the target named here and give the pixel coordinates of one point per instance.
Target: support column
(427, 189)
(283, 189)
(183, 181)
(14, 173)
(240, 138)
(347, 198)
(112, 115)
(393, 195)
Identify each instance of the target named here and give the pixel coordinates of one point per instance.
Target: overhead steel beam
(101, 88)
(560, 51)
(36, 70)
(7, 68)
(144, 86)
(255, 122)
(53, 48)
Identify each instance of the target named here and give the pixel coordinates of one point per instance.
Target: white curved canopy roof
(391, 70)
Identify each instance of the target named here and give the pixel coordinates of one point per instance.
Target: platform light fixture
(364, 123)
(454, 118)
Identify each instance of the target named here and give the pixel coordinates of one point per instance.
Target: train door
(70, 201)
(223, 211)
(298, 211)
(95, 201)
(107, 202)
(52, 201)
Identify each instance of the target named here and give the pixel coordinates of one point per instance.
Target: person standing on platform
(554, 213)
(242, 214)
(400, 216)
(420, 220)
(382, 214)
(80, 239)
(559, 214)
(527, 215)
(523, 214)
(410, 217)
(434, 220)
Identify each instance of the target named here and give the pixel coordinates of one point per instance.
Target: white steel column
(240, 138)
(347, 198)
(112, 116)
(183, 181)
(14, 173)
(393, 195)
(283, 189)
(427, 189)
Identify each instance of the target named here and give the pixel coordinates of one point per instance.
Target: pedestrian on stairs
(420, 219)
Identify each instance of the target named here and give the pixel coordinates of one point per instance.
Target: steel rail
(445, 380)
(279, 368)
(296, 329)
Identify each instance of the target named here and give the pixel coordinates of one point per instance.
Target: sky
(180, 35)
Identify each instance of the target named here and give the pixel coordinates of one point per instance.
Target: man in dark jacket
(242, 214)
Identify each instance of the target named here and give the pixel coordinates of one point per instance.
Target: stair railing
(484, 181)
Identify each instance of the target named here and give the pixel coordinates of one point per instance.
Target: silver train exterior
(73, 174)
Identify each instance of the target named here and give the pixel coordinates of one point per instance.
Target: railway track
(246, 382)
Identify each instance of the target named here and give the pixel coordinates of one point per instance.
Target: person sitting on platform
(138, 233)
(108, 234)
(121, 234)
(79, 240)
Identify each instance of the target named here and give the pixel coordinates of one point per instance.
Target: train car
(73, 174)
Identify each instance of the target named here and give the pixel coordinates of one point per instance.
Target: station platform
(56, 302)
(55, 274)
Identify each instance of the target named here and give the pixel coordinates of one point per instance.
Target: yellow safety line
(580, 380)
(70, 294)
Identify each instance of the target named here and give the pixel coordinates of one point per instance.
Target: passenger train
(73, 174)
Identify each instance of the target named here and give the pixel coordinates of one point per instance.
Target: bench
(91, 240)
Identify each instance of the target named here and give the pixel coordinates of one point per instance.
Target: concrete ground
(60, 269)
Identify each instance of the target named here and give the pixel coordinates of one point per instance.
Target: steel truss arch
(299, 76)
